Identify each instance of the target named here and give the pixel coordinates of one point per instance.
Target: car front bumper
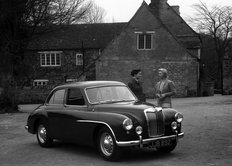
(142, 141)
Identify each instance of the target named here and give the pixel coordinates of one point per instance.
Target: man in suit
(136, 86)
(164, 89)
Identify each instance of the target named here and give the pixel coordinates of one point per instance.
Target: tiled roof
(178, 27)
(190, 41)
(77, 36)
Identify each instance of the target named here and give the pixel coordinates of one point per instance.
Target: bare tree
(19, 20)
(55, 12)
(217, 22)
(95, 15)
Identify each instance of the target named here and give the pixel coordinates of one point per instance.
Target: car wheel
(42, 135)
(107, 146)
(169, 148)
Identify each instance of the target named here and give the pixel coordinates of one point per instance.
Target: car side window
(75, 97)
(57, 97)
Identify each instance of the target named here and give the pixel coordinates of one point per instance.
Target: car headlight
(127, 124)
(174, 125)
(179, 117)
(139, 130)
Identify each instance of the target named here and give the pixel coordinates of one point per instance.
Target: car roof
(86, 84)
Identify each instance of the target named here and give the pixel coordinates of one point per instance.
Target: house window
(79, 59)
(144, 40)
(40, 82)
(51, 58)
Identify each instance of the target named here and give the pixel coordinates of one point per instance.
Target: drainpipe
(83, 56)
(199, 71)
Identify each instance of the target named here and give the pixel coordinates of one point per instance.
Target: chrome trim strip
(78, 106)
(150, 109)
(145, 141)
(139, 142)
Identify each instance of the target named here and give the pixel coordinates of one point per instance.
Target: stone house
(68, 53)
(156, 36)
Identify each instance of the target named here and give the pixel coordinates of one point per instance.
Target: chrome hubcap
(42, 134)
(106, 144)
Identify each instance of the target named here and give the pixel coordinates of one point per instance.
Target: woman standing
(136, 86)
(164, 89)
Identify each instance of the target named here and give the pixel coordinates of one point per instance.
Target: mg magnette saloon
(105, 114)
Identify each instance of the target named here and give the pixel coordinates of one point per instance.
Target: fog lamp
(139, 130)
(174, 125)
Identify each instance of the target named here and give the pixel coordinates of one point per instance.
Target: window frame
(144, 34)
(46, 58)
(79, 59)
(52, 93)
(36, 81)
(67, 95)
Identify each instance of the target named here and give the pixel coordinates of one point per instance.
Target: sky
(123, 10)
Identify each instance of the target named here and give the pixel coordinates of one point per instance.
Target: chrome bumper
(141, 141)
(26, 127)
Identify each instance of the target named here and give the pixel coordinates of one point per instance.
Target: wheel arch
(96, 132)
(99, 126)
(37, 121)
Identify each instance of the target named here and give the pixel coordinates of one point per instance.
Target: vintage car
(105, 114)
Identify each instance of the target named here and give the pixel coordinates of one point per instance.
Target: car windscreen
(108, 94)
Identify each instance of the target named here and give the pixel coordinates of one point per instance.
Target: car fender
(113, 121)
(37, 115)
(169, 115)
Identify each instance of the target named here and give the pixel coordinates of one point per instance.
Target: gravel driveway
(207, 142)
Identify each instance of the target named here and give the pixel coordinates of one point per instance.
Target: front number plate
(162, 143)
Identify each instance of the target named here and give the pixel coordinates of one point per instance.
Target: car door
(54, 108)
(76, 109)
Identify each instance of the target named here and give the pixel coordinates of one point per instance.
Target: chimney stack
(157, 3)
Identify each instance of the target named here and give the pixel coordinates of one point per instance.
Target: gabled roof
(177, 26)
(78, 36)
(98, 36)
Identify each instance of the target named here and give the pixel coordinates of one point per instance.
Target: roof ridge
(142, 4)
(175, 38)
(71, 36)
(182, 19)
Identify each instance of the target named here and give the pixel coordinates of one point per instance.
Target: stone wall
(59, 74)
(179, 73)
(227, 76)
(122, 56)
(26, 93)
(29, 95)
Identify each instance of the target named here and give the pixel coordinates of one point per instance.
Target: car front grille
(155, 122)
